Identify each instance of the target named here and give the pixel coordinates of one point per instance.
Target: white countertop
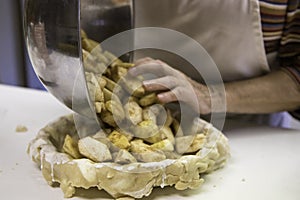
(265, 162)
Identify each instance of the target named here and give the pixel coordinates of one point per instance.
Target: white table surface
(265, 162)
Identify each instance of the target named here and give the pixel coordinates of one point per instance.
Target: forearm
(274, 92)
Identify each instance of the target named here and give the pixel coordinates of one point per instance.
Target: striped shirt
(281, 30)
(281, 33)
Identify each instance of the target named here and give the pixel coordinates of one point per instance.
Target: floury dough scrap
(142, 145)
(21, 128)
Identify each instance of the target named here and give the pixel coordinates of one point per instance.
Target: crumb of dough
(243, 180)
(21, 128)
(125, 198)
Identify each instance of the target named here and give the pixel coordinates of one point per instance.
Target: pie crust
(134, 180)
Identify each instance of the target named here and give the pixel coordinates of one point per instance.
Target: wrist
(218, 100)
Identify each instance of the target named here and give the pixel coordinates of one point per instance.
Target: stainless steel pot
(52, 35)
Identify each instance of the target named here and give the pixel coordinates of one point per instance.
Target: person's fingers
(164, 83)
(184, 95)
(147, 68)
(143, 60)
(176, 94)
(167, 69)
(155, 67)
(167, 97)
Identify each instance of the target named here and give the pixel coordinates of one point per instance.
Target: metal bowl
(53, 40)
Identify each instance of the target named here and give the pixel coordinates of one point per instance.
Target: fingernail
(160, 96)
(147, 85)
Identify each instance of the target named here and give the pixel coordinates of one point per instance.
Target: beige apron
(230, 31)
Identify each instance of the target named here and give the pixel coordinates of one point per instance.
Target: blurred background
(15, 67)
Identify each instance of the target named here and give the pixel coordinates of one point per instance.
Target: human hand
(172, 85)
